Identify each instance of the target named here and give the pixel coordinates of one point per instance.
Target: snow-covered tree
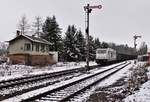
(3, 48)
(92, 50)
(71, 52)
(80, 45)
(97, 43)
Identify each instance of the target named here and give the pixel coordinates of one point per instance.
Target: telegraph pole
(135, 37)
(88, 10)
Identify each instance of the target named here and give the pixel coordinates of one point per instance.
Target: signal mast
(88, 10)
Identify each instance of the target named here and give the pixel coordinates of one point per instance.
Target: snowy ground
(143, 94)
(14, 71)
(113, 89)
(45, 89)
(125, 72)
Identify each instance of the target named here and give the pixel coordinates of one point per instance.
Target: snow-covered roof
(32, 38)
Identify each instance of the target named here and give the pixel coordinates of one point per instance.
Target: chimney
(18, 33)
(33, 35)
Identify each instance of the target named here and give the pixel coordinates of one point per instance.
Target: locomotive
(109, 56)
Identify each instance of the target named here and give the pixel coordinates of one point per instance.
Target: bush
(137, 77)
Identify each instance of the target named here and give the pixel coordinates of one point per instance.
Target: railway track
(14, 87)
(68, 91)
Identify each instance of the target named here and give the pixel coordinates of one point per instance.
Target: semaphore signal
(88, 10)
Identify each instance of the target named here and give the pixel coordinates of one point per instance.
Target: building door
(28, 59)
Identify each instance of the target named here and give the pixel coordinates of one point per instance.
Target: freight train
(108, 56)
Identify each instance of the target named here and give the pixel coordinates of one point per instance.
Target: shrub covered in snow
(137, 77)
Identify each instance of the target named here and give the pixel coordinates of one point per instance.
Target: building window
(47, 48)
(32, 46)
(27, 47)
(37, 47)
(43, 48)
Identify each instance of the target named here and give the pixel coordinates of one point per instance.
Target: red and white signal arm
(93, 7)
(99, 6)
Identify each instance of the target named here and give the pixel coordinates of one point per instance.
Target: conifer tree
(97, 43)
(52, 33)
(80, 45)
(104, 45)
(70, 44)
(92, 48)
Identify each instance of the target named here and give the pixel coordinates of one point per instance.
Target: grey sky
(117, 21)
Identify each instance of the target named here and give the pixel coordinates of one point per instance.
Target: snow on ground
(114, 89)
(125, 72)
(143, 95)
(112, 79)
(51, 87)
(14, 71)
(60, 67)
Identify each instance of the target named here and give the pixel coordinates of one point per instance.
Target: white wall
(17, 47)
(55, 55)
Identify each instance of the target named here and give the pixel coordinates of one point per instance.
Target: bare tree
(23, 25)
(37, 25)
(143, 49)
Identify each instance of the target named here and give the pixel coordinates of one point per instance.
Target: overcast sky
(117, 21)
